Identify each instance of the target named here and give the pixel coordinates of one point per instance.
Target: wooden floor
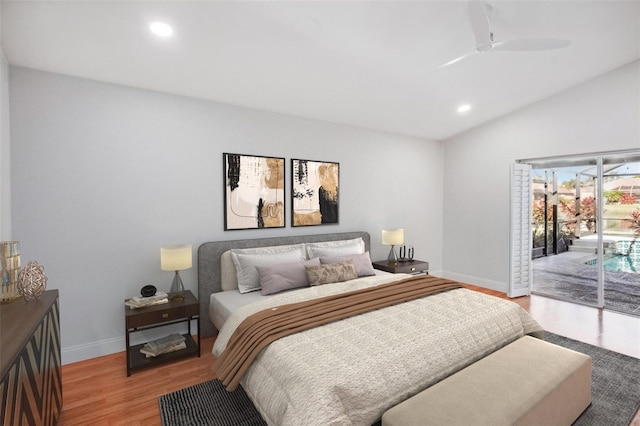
(608, 329)
(98, 391)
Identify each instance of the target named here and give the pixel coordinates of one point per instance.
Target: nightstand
(176, 311)
(413, 267)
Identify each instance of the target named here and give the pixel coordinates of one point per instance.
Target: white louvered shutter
(520, 242)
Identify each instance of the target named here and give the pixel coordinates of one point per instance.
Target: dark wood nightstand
(176, 311)
(413, 267)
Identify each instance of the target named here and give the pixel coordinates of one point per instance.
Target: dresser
(31, 380)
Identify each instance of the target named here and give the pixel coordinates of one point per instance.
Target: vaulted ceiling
(369, 64)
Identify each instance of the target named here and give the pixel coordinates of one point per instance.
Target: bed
(348, 372)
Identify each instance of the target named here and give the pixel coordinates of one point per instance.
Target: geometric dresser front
(30, 374)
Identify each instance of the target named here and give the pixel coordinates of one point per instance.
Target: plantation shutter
(520, 241)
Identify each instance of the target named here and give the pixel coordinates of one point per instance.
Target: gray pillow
(362, 263)
(332, 273)
(284, 276)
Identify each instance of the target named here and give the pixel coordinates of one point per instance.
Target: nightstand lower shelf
(139, 360)
(175, 311)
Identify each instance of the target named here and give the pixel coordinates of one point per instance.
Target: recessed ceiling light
(464, 108)
(161, 29)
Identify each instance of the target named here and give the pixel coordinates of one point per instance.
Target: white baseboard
(117, 344)
(481, 282)
(92, 350)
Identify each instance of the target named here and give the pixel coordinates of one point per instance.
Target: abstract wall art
(254, 192)
(314, 192)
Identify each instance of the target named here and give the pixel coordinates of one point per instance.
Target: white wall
(5, 152)
(103, 175)
(601, 115)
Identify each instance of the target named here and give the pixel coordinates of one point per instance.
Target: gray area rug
(208, 404)
(615, 385)
(615, 392)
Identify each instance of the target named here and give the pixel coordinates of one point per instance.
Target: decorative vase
(32, 281)
(10, 268)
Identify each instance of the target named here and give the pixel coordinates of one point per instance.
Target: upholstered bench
(528, 382)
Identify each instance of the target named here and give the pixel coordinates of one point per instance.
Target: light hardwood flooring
(98, 391)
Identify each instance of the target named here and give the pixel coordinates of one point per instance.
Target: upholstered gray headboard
(209, 255)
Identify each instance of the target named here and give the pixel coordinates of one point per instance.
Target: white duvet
(351, 371)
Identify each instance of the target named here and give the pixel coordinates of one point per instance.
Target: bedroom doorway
(584, 229)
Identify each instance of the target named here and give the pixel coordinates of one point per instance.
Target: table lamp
(176, 258)
(392, 237)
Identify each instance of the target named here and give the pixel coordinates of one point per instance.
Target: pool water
(619, 263)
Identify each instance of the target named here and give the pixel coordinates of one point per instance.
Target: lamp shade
(175, 257)
(392, 237)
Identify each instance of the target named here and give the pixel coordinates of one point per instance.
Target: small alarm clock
(148, 291)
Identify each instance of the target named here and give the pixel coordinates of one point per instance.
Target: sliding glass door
(585, 228)
(621, 230)
(564, 230)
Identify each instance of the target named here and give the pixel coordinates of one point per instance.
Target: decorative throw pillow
(335, 248)
(362, 263)
(284, 276)
(246, 263)
(332, 273)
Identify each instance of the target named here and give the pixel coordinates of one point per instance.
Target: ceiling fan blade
(479, 18)
(481, 24)
(453, 61)
(530, 44)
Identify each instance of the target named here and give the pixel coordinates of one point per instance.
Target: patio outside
(565, 263)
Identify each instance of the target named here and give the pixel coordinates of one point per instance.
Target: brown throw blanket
(262, 328)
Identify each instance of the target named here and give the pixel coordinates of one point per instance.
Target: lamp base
(177, 288)
(393, 258)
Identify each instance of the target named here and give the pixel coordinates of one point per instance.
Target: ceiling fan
(479, 16)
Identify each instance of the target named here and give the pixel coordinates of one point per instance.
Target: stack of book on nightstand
(140, 302)
(171, 343)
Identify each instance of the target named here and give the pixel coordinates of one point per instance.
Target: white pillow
(246, 260)
(335, 248)
(228, 275)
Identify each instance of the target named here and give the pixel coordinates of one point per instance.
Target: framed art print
(314, 192)
(254, 192)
